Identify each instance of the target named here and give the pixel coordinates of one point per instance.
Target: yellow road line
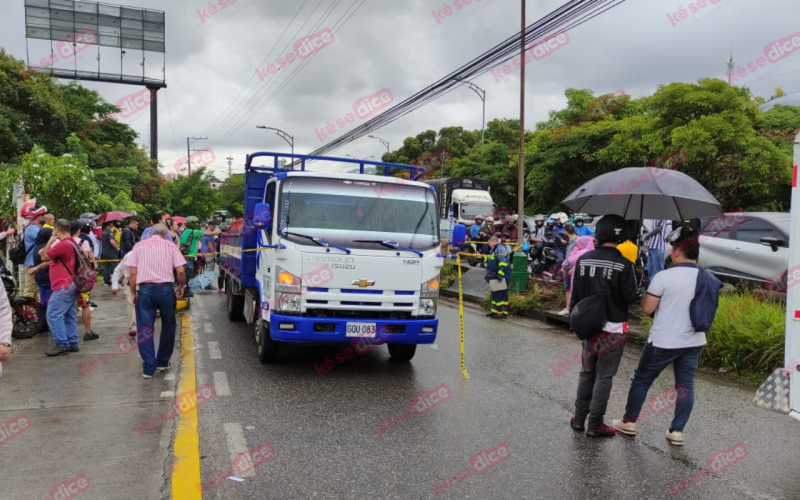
(186, 472)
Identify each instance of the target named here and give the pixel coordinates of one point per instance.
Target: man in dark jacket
(128, 238)
(498, 274)
(603, 270)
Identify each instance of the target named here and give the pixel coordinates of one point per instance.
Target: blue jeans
(651, 364)
(655, 262)
(44, 294)
(62, 318)
(161, 297)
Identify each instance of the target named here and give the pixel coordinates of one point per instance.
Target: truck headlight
(427, 307)
(287, 302)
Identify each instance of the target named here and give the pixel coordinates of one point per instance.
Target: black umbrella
(638, 193)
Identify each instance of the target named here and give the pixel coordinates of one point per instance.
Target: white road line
(213, 350)
(208, 327)
(236, 444)
(169, 376)
(221, 387)
(167, 394)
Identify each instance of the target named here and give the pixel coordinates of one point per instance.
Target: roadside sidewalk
(83, 410)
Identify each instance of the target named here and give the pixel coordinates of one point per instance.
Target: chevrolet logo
(363, 283)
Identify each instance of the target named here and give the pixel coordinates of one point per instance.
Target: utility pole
(519, 273)
(731, 65)
(230, 161)
(189, 153)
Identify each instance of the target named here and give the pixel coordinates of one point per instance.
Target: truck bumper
(302, 329)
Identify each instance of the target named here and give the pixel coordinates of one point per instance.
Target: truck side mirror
(459, 235)
(262, 216)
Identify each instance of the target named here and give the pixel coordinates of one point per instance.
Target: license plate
(361, 330)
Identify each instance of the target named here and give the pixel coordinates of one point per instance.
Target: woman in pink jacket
(584, 244)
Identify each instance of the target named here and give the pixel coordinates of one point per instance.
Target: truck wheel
(268, 349)
(235, 304)
(402, 352)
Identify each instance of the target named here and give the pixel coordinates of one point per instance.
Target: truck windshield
(345, 210)
(472, 210)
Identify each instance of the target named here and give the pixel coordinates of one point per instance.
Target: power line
(216, 121)
(253, 110)
(254, 92)
(566, 17)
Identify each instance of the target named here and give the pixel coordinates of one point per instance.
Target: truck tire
(235, 303)
(268, 349)
(402, 352)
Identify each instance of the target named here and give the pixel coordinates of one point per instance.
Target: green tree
(192, 195)
(231, 195)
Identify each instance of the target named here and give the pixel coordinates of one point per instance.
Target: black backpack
(16, 249)
(185, 247)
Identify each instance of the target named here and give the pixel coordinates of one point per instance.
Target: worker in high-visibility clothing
(498, 274)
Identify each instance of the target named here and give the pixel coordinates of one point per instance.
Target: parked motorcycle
(28, 314)
(472, 248)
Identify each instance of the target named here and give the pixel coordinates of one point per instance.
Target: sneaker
(146, 376)
(577, 424)
(601, 431)
(90, 336)
(74, 348)
(57, 350)
(164, 368)
(92, 304)
(210, 287)
(132, 333)
(627, 428)
(489, 315)
(221, 290)
(92, 308)
(563, 312)
(675, 437)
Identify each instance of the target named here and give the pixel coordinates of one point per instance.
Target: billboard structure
(73, 26)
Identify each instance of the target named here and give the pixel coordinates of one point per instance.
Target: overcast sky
(403, 46)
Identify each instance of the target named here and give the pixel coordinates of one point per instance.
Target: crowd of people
(62, 260)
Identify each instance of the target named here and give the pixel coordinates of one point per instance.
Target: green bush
(747, 335)
(525, 303)
(448, 274)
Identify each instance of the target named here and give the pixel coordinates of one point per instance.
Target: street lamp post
(482, 94)
(189, 153)
(384, 142)
(283, 135)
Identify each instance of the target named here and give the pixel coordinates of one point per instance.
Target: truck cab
(334, 257)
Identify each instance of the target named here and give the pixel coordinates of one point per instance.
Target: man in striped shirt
(656, 242)
(151, 263)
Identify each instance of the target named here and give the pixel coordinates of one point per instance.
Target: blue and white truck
(329, 257)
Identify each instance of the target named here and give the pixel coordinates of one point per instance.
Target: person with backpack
(62, 253)
(603, 286)
(128, 238)
(84, 303)
(684, 300)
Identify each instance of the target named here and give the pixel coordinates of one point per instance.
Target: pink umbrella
(109, 216)
(178, 219)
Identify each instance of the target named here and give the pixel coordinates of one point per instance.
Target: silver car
(746, 246)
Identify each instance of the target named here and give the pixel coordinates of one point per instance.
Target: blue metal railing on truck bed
(242, 266)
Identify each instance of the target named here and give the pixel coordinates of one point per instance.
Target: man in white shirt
(122, 271)
(672, 340)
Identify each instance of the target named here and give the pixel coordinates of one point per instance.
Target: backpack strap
(77, 256)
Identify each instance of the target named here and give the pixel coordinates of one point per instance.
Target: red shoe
(602, 431)
(132, 333)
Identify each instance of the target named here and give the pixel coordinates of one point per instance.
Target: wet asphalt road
(322, 426)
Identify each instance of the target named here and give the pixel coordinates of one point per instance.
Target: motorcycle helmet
(538, 218)
(29, 210)
(579, 218)
(490, 220)
(479, 219)
(550, 221)
(89, 215)
(611, 228)
(561, 217)
(86, 224)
